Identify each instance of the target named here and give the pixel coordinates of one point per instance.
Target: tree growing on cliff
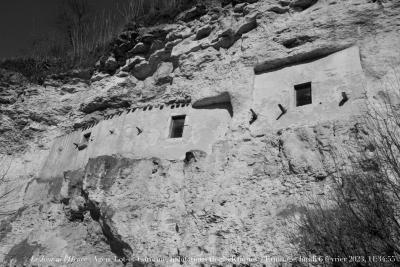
(84, 31)
(362, 216)
(4, 168)
(6, 198)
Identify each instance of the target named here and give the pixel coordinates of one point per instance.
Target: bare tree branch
(363, 214)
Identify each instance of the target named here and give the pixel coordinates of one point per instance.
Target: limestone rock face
(179, 33)
(186, 46)
(163, 73)
(302, 4)
(239, 199)
(139, 48)
(132, 62)
(113, 92)
(111, 64)
(203, 32)
(192, 13)
(279, 9)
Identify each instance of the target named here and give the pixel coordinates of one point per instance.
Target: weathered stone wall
(139, 134)
(330, 76)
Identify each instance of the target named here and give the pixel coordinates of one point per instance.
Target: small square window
(303, 94)
(177, 125)
(86, 137)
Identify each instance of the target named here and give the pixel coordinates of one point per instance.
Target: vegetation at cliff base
(362, 215)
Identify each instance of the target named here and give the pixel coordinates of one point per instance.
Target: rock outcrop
(239, 200)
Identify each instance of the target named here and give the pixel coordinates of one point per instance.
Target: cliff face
(240, 199)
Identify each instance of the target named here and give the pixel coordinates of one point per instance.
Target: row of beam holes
(144, 109)
(180, 105)
(172, 106)
(150, 108)
(89, 126)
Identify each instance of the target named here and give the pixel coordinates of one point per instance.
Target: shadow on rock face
(21, 253)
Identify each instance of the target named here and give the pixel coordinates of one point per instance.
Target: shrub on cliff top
(83, 33)
(33, 69)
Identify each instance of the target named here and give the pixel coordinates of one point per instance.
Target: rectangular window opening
(303, 94)
(177, 125)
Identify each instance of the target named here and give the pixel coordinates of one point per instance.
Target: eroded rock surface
(237, 200)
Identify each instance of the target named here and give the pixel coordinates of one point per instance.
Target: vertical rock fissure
(119, 247)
